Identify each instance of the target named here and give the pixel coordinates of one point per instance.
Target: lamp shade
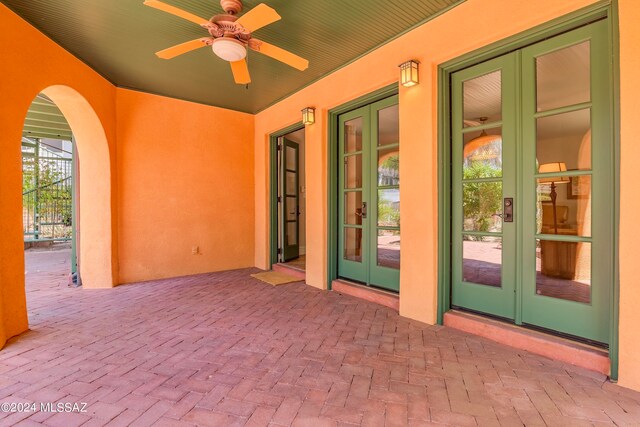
(229, 49)
(553, 167)
(409, 73)
(308, 116)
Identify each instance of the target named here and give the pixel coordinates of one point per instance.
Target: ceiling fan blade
(175, 11)
(240, 72)
(181, 48)
(280, 54)
(258, 17)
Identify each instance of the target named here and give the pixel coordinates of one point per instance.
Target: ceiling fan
(229, 36)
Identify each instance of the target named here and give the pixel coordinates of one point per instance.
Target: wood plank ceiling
(118, 39)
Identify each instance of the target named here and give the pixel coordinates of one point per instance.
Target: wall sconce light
(308, 116)
(409, 73)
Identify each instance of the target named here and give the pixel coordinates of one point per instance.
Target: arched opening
(94, 213)
(49, 196)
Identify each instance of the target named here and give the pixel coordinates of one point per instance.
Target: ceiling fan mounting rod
(232, 7)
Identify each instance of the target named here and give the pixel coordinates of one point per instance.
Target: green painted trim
(273, 189)
(614, 34)
(413, 27)
(597, 11)
(74, 206)
(332, 175)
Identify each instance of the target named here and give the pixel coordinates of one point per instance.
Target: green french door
(290, 215)
(532, 185)
(369, 196)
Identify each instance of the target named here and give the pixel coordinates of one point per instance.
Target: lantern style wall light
(308, 116)
(409, 73)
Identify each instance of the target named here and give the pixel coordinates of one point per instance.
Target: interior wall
(70, 83)
(186, 181)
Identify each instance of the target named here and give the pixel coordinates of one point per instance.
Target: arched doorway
(95, 196)
(97, 214)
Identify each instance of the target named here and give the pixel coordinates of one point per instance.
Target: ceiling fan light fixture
(229, 49)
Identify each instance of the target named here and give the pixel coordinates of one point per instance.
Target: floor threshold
(292, 271)
(589, 357)
(378, 296)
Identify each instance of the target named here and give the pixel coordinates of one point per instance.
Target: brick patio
(225, 349)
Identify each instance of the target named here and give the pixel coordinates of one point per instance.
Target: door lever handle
(364, 209)
(507, 210)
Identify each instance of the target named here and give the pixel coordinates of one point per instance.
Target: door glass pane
(389, 207)
(482, 154)
(292, 235)
(563, 77)
(482, 206)
(389, 166)
(353, 244)
(571, 213)
(292, 210)
(353, 171)
(353, 135)
(563, 270)
(388, 126)
(389, 248)
(353, 207)
(291, 183)
(291, 158)
(482, 99)
(565, 138)
(482, 260)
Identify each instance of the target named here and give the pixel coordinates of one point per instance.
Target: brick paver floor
(224, 349)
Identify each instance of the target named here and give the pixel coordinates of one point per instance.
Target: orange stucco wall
(28, 67)
(185, 179)
(629, 194)
(471, 25)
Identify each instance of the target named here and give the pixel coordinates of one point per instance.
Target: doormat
(275, 278)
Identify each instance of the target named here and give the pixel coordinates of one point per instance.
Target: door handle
(507, 210)
(364, 209)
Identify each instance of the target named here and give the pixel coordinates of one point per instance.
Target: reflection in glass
(482, 206)
(482, 260)
(353, 244)
(563, 270)
(353, 207)
(389, 207)
(290, 163)
(389, 248)
(388, 166)
(353, 135)
(388, 126)
(562, 77)
(482, 98)
(353, 171)
(572, 213)
(292, 233)
(565, 138)
(292, 209)
(482, 154)
(291, 183)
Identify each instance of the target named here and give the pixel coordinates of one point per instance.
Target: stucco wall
(185, 174)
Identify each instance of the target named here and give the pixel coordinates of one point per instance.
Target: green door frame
(607, 10)
(273, 189)
(332, 175)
